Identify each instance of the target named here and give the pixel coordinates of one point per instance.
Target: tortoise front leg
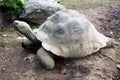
(45, 58)
(29, 45)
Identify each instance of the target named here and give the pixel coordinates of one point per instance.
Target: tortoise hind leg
(112, 43)
(45, 58)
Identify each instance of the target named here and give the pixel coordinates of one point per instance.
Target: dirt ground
(19, 64)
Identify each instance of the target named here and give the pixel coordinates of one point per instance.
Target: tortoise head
(24, 29)
(20, 26)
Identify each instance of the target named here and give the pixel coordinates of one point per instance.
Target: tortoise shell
(68, 33)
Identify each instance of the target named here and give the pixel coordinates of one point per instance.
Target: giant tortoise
(66, 33)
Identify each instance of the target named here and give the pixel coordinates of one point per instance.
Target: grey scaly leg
(45, 58)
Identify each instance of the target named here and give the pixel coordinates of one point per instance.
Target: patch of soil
(15, 65)
(19, 64)
(106, 19)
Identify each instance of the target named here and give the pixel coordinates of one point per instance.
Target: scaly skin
(25, 29)
(45, 58)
